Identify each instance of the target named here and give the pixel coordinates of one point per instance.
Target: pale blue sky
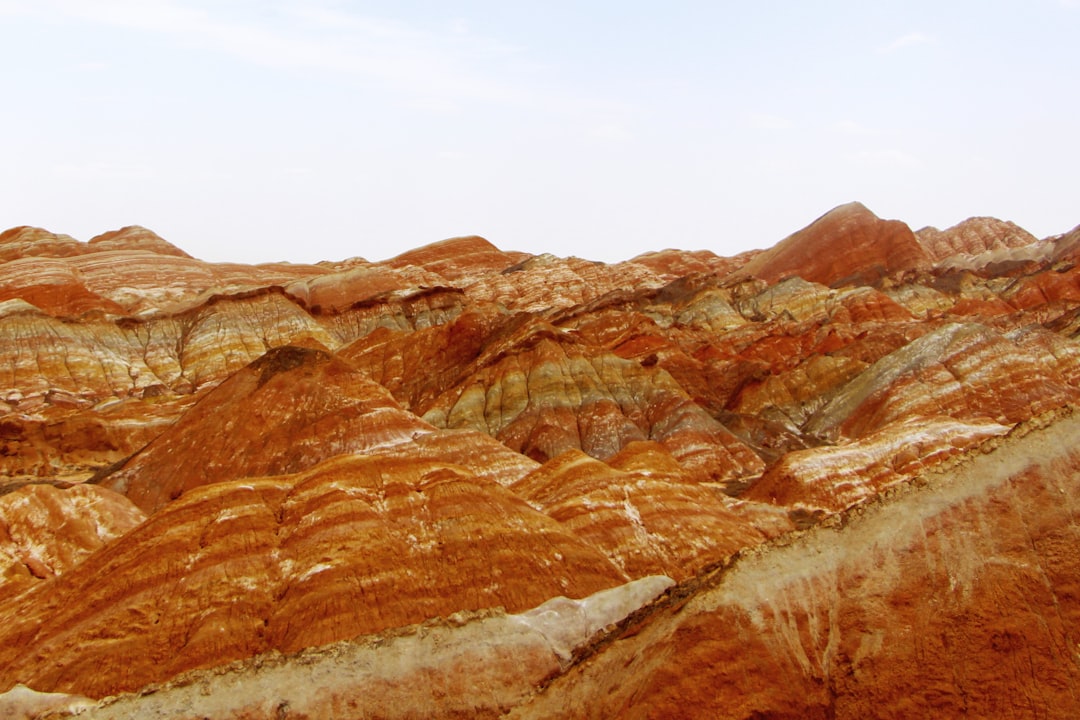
(257, 131)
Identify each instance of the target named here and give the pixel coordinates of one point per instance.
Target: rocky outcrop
(951, 596)
(833, 478)
(962, 370)
(458, 259)
(25, 241)
(542, 394)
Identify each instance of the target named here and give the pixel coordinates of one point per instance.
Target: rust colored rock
(25, 241)
(341, 291)
(814, 439)
(963, 370)
(21, 242)
(46, 530)
(638, 518)
(286, 412)
(429, 670)
(956, 599)
(848, 245)
(355, 545)
(832, 478)
(674, 264)
(458, 259)
(53, 286)
(542, 393)
(544, 283)
(974, 236)
(134, 237)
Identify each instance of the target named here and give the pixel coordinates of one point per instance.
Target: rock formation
(953, 599)
(847, 245)
(462, 482)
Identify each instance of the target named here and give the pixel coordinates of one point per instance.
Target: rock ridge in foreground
(955, 595)
(471, 664)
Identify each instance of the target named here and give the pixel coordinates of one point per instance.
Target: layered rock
(544, 282)
(541, 393)
(962, 370)
(974, 238)
(833, 478)
(500, 657)
(284, 413)
(69, 438)
(353, 447)
(129, 271)
(458, 259)
(847, 245)
(878, 614)
(355, 545)
(638, 517)
(955, 599)
(25, 241)
(46, 530)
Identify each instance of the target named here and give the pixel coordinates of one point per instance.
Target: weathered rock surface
(355, 545)
(974, 238)
(847, 245)
(22, 703)
(312, 453)
(284, 413)
(541, 393)
(957, 599)
(46, 530)
(498, 657)
(458, 259)
(639, 517)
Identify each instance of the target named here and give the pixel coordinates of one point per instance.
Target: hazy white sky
(286, 129)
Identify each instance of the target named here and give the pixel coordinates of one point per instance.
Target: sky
(265, 130)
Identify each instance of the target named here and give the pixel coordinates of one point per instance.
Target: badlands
(837, 478)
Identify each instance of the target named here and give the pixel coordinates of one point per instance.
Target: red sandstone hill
(831, 478)
(847, 245)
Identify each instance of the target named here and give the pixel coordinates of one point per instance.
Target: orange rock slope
(851, 451)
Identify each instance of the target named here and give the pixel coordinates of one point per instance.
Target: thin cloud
(434, 69)
(101, 171)
(910, 40)
(890, 158)
(850, 127)
(768, 121)
(612, 132)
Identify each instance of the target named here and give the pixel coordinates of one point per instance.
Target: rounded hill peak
(849, 245)
(134, 237)
(458, 257)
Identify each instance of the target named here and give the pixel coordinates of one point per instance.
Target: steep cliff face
(844, 448)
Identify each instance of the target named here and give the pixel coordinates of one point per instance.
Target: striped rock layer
(212, 466)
